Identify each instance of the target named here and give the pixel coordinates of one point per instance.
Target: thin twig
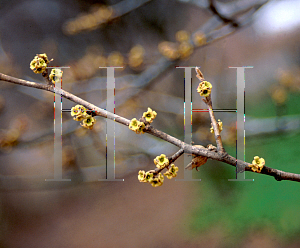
(215, 125)
(208, 102)
(176, 156)
(171, 159)
(67, 95)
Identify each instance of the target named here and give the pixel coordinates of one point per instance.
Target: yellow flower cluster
(288, 82)
(88, 65)
(148, 177)
(39, 63)
(204, 88)
(157, 181)
(182, 35)
(169, 50)
(279, 94)
(10, 137)
(185, 49)
(55, 74)
(137, 126)
(199, 39)
(161, 161)
(116, 59)
(180, 50)
(220, 126)
(79, 114)
(257, 164)
(149, 115)
(136, 56)
(89, 21)
(172, 171)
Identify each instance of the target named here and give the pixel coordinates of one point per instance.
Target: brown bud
(199, 74)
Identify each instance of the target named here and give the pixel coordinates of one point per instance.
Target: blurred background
(149, 39)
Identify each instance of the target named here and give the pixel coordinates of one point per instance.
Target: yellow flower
(44, 57)
(168, 175)
(169, 50)
(204, 88)
(115, 59)
(136, 126)
(158, 181)
(182, 35)
(257, 164)
(155, 182)
(142, 176)
(136, 56)
(55, 74)
(88, 122)
(199, 39)
(79, 112)
(220, 126)
(141, 126)
(38, 65)
(258, 161)
(161, 161)
(148, 176)
(279, 94)
(149, 115)
(74, 110)
(172, 171)
(161, 177)
(185, 49)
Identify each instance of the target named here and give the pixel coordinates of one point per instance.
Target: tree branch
(212, 154)
(220, 147)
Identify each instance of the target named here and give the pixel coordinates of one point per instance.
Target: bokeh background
(214, 212)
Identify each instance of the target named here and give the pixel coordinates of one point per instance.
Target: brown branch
(208, 102)
(218, 138)
(67, 95)
(171, 159)
(176, 156)
(210, 153)
(280, 175)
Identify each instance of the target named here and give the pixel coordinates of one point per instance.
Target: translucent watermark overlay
(188, 114)
(57, 156)
(240, 124)
(110, 127)
(188, 106)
